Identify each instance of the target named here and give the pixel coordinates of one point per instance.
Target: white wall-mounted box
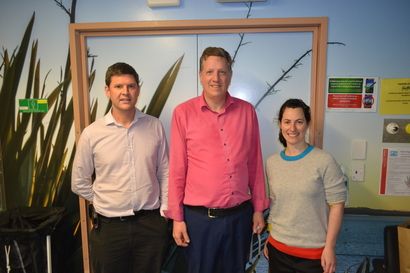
(238, 1)
(162, 3)
(359, 149)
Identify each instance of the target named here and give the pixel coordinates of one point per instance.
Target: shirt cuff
(261, 204)
(174, 214)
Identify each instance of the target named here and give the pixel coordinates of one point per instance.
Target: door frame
(79, 32)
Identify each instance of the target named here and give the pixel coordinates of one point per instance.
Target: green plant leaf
(164, 89)
(9, 88)
(12, 69)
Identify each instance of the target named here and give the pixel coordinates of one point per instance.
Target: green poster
(345, 85)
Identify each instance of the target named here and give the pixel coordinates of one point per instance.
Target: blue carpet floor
(360, 236)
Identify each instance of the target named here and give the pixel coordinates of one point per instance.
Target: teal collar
(296, 157)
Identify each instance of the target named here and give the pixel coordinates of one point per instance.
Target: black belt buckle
(210, 215)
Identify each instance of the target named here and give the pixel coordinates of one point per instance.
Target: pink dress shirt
(215, 158)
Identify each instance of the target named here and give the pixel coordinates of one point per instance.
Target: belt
(137, 214)
(218, 212)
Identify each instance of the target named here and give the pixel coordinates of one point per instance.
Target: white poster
(395, 172)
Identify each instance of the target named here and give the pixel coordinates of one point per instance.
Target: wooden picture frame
(79, 32)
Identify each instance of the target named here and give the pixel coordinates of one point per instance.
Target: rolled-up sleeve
(335, 183)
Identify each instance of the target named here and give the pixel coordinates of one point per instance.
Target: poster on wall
(352, 94)
(395, 97)
(395, 172)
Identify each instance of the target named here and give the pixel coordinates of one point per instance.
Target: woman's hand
(328, 260)
(265, 250)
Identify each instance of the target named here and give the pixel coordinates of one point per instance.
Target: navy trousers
(218, 245)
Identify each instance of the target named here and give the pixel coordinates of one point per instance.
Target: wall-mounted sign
(352, 94)
(396, 131)
(395, 96)
(395, 172)
(33, 105)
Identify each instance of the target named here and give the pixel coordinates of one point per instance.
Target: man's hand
(180, 233)
(258, 222)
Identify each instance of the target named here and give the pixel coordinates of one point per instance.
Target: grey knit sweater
(301, 189)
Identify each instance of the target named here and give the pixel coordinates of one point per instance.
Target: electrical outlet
(358, 171)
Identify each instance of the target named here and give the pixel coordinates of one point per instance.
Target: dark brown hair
(293, 103)
(118, 69)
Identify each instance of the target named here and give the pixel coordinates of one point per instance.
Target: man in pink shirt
(216, 183)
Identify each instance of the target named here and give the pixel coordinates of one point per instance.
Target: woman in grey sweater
(308, 192)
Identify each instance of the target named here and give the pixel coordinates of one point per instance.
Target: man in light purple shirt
(216, 185)
(127, 152)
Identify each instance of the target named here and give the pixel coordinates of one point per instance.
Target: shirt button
(227, 159)
(230, 176)
(222, 129)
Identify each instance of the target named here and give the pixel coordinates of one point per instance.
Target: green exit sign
(33, 105)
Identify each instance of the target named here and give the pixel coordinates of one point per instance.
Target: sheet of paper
(395, 172)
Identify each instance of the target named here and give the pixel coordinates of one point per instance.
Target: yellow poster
(395, 96)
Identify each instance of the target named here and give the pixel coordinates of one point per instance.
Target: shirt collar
(109, 119)
(228, 101)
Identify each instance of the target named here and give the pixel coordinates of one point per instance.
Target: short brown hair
(215, 51)
(118, 69)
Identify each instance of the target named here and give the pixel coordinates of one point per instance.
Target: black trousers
(135, 245)
(280, 262)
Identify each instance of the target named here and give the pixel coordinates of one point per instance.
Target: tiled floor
(360, 236)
